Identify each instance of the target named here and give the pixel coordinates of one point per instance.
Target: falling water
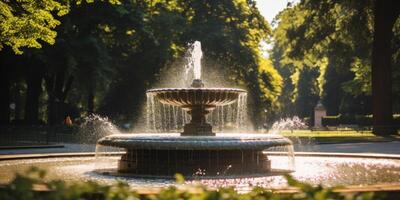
(166, 118)
(231, 117)
(283, 151)
(242, 111)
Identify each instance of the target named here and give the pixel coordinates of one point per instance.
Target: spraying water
(287, 124)
(168, 118)
(95, 127)
(291, 124)
(193, 61)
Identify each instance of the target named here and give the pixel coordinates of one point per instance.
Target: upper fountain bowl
(198, 102)
(187, 98)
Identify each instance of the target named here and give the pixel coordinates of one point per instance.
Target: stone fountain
(197, 150)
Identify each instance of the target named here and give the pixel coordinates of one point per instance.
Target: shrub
(347, 119)
(331, 120)
(364, 120)
(22, 188)
(396, 120)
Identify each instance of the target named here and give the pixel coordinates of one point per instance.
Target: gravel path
(375, 147)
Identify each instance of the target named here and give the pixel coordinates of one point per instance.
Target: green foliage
(335, 37)
(307, 92)
(101, 56)
(361, 120)
(364, 120)
(179, 178)
(26, 23)
(270, 83)
(24, 186)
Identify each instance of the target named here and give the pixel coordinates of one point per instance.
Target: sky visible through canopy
(269, 9)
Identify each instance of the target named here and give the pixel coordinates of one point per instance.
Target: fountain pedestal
(195, 129)
(198, 125)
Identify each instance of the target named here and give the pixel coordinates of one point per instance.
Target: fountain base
(193, 162)
(166, 154)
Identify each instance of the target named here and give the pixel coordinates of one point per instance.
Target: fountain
(200, 151)
(197, 147)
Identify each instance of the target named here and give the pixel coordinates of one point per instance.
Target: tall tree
(5, 85)
(385, 15)
(34, 77)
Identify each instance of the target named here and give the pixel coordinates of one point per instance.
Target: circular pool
(325, 169)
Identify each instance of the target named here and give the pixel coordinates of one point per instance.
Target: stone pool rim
(174, 141)
(6, 157)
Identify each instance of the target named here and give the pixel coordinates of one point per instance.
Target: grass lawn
(310, 133)
(334, 137)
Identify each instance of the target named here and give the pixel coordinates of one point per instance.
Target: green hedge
(22, 188)
(396, 120)
(361, 120)
(364, 120)
(331, 120)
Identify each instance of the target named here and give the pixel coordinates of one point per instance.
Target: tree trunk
(385, 13)
(58, 90)
(49, 80)
(5, 85)
(34, 82)
(19, 101)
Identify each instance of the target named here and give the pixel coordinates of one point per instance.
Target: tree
(34, 77)
(5, 85)
(385, 15)
(105, 56)
(344, 33)
(26, 23)
(307, 92)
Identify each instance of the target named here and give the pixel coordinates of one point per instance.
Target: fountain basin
(328, 169)
(168, 154)
(187, 98)
(174, 141)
